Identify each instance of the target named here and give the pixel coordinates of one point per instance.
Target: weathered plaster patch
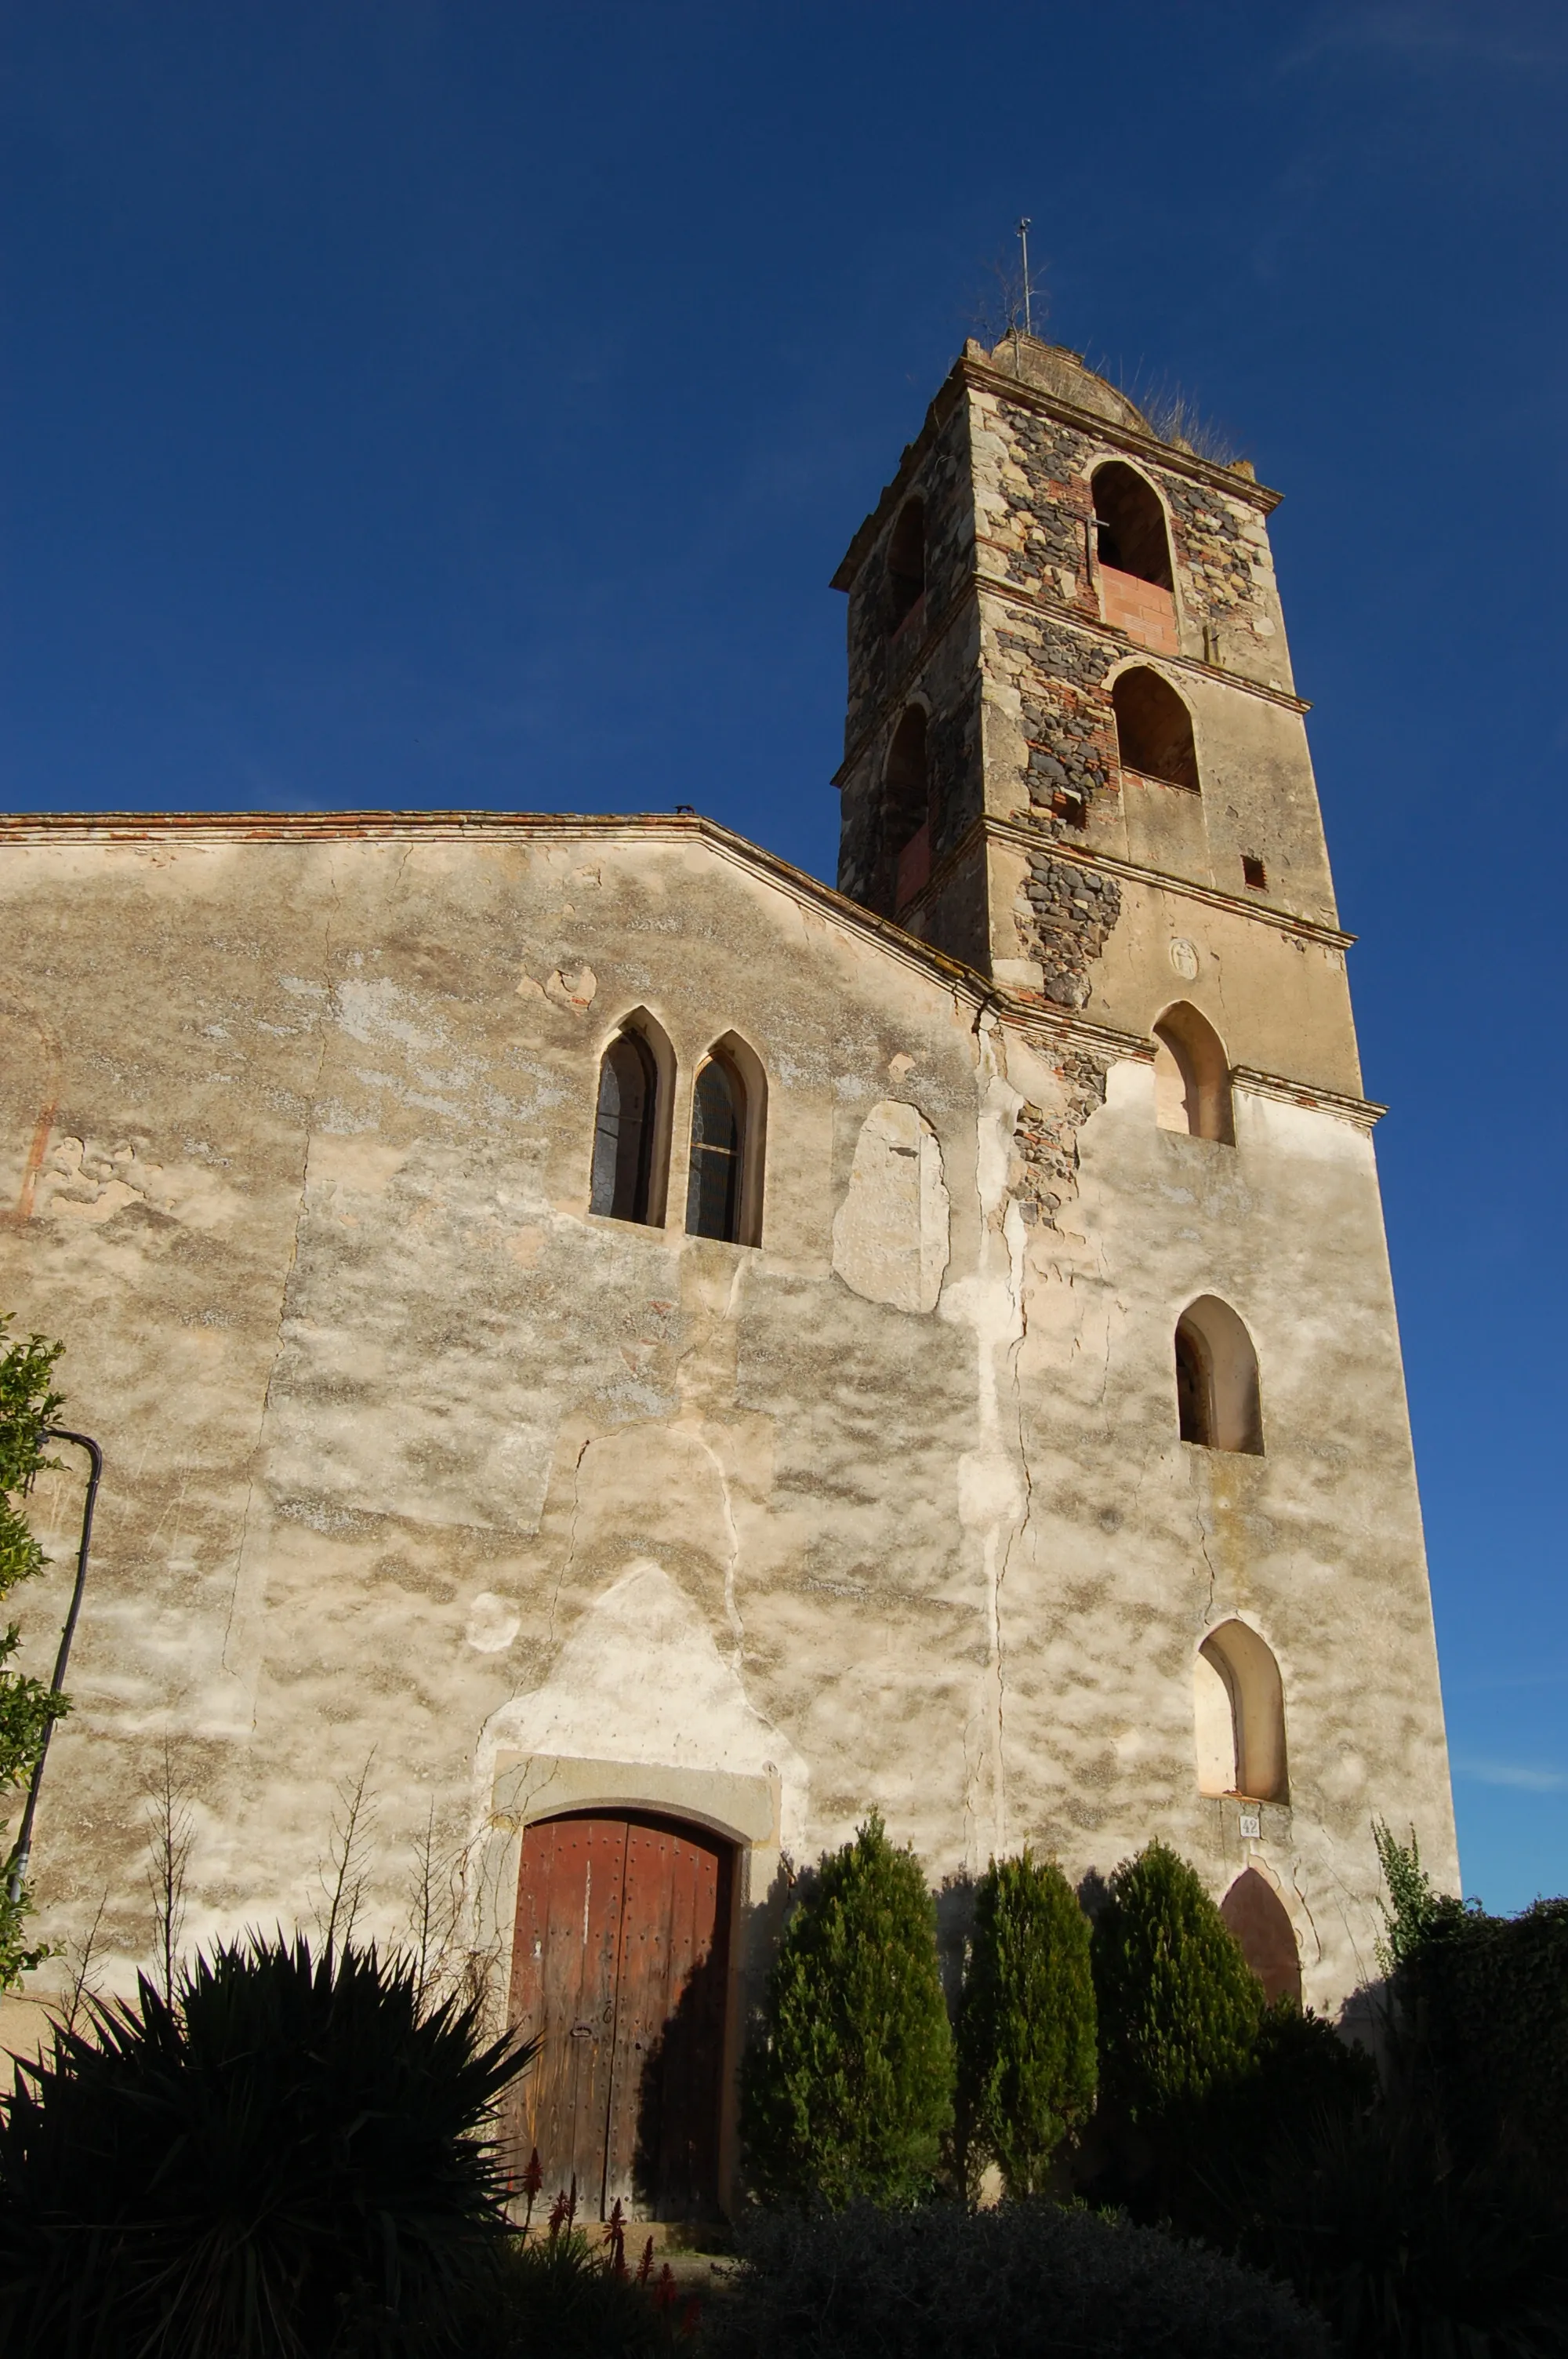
(641, 1679)
(890, 1232)
(494, 1623)
(574, 990)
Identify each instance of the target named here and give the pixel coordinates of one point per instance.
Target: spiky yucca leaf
(288, 2159)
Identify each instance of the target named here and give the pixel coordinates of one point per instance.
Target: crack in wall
(731, 1609)
(1306, 1905)
(568, 1559)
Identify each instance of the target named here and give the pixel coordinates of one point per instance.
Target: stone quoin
(645, 1358)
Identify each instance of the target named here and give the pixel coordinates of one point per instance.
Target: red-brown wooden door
(620, 1963)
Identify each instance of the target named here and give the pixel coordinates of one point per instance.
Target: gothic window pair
(631, 1136)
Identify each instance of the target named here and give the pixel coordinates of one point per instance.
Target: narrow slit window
(1254, 875)
(623, 1130)
(1218, 1400)
(717, 1146)
(1238, 1709)
(1192, 1077)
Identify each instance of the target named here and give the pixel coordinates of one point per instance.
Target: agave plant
(288, 2158)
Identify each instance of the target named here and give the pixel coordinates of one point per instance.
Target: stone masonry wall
(930, 658)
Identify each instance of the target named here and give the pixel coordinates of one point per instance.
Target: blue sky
(465, 405)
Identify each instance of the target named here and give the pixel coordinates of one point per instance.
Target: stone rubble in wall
(1044, 1173)
(1046, 495)
(1211, 545)
(1073, 911)
(1068, 720)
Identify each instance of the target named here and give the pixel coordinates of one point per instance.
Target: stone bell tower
(1072, 723)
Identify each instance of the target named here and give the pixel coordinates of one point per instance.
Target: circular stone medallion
(1184, 959)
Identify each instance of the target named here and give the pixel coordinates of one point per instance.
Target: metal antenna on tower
(1023, 241)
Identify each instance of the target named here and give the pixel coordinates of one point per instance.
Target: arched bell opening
(1154, 729)
(1130, 524)
(906, 811)
(906, 564)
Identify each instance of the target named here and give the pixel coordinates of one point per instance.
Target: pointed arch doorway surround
(620, 1964)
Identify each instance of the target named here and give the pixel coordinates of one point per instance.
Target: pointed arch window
(1192, 1076)
(1239, 1715)
(631, 1129)
(1218, 1400)
(724, 1186)
(1258, 1918)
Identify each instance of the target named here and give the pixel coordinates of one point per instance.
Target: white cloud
(1436, 29)
(1523, 1774)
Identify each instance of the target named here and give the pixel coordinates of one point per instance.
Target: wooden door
(620, 1963)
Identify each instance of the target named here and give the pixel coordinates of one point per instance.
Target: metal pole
(22, 1851)
(1023, 241)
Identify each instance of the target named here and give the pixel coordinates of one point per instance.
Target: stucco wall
(413, 1462)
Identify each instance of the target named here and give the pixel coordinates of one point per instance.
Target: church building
(630, 1360)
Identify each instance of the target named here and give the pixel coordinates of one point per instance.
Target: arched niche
(728, 1144)
(1192, 1076)
(1154, 728)
(1238, 1716)
(629, 1179)
(1218, 1400)
(907, 563)
(1258, 1917)
(1129, 524)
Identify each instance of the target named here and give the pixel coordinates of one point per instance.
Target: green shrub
(27, 1706)
(1404, 2248)
(286, 2161)
(1301, 2077)
(564, 2297)
(847, 2089)
(1179, 2008)
(1027, 2064)
(1411, 1903)
(1491, 1997)
(1021, 2282)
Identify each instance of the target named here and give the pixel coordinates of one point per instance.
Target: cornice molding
(1062, 1027)
(1083, 856)
(1206, 472)
(1363, 1112)
(1060, 612)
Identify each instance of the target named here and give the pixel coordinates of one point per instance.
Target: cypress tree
(846, 2089)
(1179, 2006)
(1026, 2026)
